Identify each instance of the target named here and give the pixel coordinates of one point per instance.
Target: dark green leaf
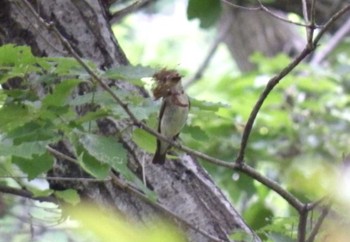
(207, 11)
(61, 93)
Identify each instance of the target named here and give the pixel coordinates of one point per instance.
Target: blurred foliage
(113, 227)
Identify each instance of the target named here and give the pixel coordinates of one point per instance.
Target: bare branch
(26, 194)
(302, 224)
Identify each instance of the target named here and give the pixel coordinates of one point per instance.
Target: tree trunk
(182, 186)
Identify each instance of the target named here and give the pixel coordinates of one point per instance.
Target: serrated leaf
(32, 131)
(11, 54)
(60, 94)
(13, 116)
(24, 150)
(207, 11)
(70, 196)
(35, 166)
(64, 65)
(144, 140)
(107, 150)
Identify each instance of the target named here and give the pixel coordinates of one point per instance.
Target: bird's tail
(159, 158)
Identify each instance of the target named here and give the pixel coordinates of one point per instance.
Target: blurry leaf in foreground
(113, 226)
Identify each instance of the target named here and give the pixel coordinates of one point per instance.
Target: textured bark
(182, 186)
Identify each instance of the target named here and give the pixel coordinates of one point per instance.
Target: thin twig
(26, 194)
(262, 7)
(305, 11)
(127, 10)
(56, 178)
(273, 14)
(241, 7)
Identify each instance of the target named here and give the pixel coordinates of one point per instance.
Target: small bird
(173, 112)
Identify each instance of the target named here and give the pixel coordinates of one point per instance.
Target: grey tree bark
(182, 186)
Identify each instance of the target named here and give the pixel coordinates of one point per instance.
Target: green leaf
(31, 131)
(257, 214)
(63, 65)
(144, 140)
(129, 73)
(207, 11)
(107, 150)
(38, 192)
(13, 116)
(61, 93)
(93, 166)
(24, 150)
(70, 196)
(11, 54)
(35, 166)
(91, 116)
(206, 106)
(196, 133)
